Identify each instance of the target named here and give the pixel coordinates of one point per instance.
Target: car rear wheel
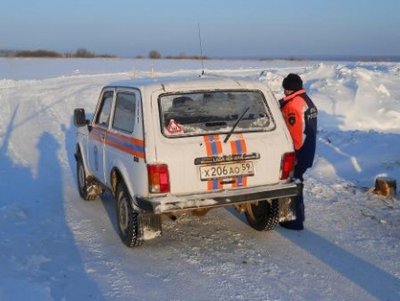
(263, 215)
(134, 228)
(127, 218)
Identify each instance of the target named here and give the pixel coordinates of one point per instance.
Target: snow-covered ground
(54, 246)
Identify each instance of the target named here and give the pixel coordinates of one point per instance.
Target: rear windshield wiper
(235, 125)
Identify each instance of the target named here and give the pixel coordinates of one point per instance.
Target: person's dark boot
(292, 225)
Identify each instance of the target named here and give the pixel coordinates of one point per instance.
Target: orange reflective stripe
(234, 149)
(208, 145)
(213, 146)
(210, 185)
(239, 147)
(244, 181)
(95, 135)
(209, 153)
(243, 145)
(126, 144)
(219, 146)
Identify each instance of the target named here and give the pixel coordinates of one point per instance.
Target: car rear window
(200, 113)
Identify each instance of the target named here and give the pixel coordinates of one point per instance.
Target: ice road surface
(54, 246)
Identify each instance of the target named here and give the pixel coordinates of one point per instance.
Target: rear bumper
(169, 204)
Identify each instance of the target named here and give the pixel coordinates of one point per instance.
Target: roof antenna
(201, 50)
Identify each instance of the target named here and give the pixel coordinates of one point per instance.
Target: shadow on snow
(370, 278)
(39, 257)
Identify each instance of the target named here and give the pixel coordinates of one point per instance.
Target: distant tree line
(84, 53)
(41, 53)
(36, 53)
(154, 54)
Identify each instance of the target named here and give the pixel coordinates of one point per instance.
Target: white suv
(163, 146)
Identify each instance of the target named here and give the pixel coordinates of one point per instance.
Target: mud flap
(287, 209)
(150, 226)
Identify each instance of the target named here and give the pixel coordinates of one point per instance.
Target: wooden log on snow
(385, 186)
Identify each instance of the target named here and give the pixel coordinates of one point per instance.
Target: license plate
(226, 170)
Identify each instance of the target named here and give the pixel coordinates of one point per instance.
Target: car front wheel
(86, 191)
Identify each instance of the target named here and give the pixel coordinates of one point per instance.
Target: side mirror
(80, 117)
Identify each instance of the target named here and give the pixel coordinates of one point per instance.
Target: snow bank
(359, 118)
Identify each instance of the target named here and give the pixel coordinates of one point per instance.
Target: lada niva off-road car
(163, 146)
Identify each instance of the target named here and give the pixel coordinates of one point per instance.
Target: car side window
(124, 116)
(103, 117)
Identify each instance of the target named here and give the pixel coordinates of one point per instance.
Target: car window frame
(126, 91)
(95, 121)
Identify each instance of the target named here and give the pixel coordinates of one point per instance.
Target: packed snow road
(54, 246)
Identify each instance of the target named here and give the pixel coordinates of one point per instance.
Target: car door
(124, 142)
(98, 134)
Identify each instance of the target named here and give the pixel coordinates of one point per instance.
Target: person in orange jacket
(300, 115)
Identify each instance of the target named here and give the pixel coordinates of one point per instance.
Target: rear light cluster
(158, 178)
(287, 165)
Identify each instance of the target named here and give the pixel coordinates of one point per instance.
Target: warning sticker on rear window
(174, 127)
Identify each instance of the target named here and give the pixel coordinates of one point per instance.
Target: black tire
(263, 216)
(82, 179)
(128, 219)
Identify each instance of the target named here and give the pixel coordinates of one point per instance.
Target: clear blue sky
(237, 28)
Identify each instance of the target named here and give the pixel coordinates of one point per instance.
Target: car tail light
(158, 178)
(287, 165)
